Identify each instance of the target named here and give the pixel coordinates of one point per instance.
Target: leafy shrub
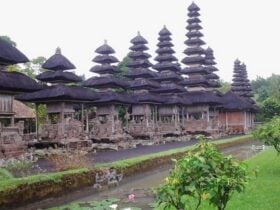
(21, 166)
(203, 174)
(269, 133)
(4, 174)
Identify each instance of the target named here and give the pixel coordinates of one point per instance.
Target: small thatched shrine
(11, 84)
(238, 109)
(63, 125)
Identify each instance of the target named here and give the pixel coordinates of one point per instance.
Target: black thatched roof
(195, 70)
(232, 101)
(104, 69)
(168, 76)
(143, 84)
(175, 100)
(105, 49)
(60, 93)
(105, 82)
(138, 39)
(241, 85)
(193, 7)
(164, 32)
(10, 55)
(138, 66)
(170, 88)
(16, 82)
(113, 98)
(58, 62)
(147, 98)
(140, 73)
(58, 77)
(167, 66)
(105, 59)
(202, 97)
(196, 82)
(194, 50)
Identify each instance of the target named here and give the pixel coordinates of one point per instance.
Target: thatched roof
(193, 7)
(60, 93)
(170, 88)
(175, 100)
(10, 55)
(144, 84)
(105, 49)
(17, 82)
(105, 82)
(168, 76)
(58, 62)
(202, 97)
(111, 97)
(22, 111)
(58, 77)
(147, 98)
(232, 101)
(138, 39)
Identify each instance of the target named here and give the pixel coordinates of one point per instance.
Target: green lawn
(262, 192)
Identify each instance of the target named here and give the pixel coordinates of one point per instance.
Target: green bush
(202, 175)
(269, 133)
(4, 174)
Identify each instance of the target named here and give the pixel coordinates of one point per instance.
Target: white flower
(114, 206)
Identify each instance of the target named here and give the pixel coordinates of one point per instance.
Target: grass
(262, 192)
(12, 183)
(8, 184)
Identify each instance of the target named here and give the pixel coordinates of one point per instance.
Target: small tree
(270, 133)
(203, 174)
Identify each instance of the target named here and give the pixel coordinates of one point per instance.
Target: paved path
(110, 156)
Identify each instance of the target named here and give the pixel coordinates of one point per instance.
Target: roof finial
(164, 26)
(58, 50)
(105, 41)
(138, 33)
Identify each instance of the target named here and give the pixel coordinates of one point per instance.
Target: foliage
(123, 68)
(5, 174)
(269, 109)
(71, 159)
(270, 133)
(21, 166)
(264, 88)
(225, 86)
(9, 40)
(203, 174)
(34, 67)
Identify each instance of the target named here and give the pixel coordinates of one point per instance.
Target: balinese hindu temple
(148, 102)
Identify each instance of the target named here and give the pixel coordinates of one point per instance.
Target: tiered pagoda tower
(11, 84)
(201, 115)
(210, 66)
(195, 54)
(61, 127)
(107, 125)
(169, 78)
(143, 114)
(240, 83)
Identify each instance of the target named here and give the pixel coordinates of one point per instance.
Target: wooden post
(37, 121)
(226, 121)
(82, 116)
(87, 126)
(62, 119)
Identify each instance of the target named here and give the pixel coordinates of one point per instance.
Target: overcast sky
(248, 30)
